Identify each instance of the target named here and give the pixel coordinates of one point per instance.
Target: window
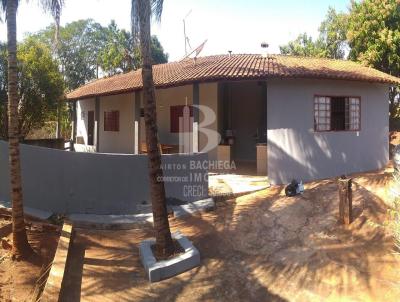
(111, 121)
(175, 113)
(337, 113)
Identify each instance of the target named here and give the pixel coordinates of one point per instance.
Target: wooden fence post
(345, 200)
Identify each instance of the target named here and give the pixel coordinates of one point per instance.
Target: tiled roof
(234, 67)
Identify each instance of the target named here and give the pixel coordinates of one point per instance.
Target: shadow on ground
(259, 247)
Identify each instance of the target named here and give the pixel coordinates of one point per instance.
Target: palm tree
(21, 247)
(141, 11)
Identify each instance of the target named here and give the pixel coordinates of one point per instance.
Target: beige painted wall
(166, 98)
(123, 140)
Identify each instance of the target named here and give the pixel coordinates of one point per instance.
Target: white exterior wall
(296, 151)
(82, 119)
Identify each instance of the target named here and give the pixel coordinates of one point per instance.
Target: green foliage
(374, 34)
(374, 39)
(304, 46)
(115, 56)
(40, 86)
(333, 32)
(79, 44)
(331, 42)
(88, 50)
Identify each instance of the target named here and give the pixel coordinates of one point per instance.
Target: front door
(91, 128)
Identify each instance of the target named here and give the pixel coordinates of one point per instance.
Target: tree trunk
(164, 244)
(4, 121)
(345, 200)
(21, 247)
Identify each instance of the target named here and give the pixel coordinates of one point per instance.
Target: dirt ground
(18, 278)
(259, 247)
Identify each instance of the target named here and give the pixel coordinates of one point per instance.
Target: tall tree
(141, 11)
(331, 42)
(88, 50)
(40, 85)
(332, 34)
(303, 46)
(374, 38)
(21, 247)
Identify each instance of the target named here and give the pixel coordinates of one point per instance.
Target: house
(289, 117)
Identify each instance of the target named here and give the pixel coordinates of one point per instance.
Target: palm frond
(54, 7)
(157, 8)
(3, 8)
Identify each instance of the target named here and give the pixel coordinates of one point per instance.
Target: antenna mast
(184, 32)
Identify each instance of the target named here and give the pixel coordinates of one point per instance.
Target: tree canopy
(369, 32)
(331, 42)
(88, 50)
(374, 34)
(40, 85)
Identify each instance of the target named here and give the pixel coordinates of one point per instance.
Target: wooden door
(91, 128)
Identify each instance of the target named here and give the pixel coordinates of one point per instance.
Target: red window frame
(175, 113)
(111, 121)
(353, 109)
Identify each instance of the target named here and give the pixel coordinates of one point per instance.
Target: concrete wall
(295, 150)
(71, 182)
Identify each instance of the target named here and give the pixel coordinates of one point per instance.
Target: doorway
(90, 128)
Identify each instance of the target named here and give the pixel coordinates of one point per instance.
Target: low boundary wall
(97, 183)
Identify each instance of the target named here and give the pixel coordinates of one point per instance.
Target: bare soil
(258, 247)
(19, 280)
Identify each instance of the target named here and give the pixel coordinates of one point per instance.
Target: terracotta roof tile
(234, 67)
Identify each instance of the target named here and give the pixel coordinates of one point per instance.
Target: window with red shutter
(175, 113)
(111, 120)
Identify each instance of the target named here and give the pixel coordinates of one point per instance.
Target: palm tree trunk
(21, 247)
(4, 121)
(164, 244)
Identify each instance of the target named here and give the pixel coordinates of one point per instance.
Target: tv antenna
(196, 51)
(187, 43)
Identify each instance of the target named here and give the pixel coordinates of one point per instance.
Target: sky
(239, 26)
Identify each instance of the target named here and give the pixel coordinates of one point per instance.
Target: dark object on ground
(396, 157)
(291, 189)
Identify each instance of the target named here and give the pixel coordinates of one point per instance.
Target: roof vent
(230, 53)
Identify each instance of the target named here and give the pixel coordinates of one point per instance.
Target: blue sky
(237, 25)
